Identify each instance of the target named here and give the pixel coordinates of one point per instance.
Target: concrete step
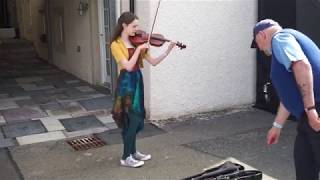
(17, 49)
(22, 56)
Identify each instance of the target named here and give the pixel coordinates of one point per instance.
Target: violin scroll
(180, 45)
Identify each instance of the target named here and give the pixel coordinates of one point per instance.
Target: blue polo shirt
(288, 46)
(287, 50)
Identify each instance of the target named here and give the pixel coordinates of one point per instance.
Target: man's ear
(263, 34)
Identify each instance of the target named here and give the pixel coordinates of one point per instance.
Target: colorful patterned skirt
(129, 97)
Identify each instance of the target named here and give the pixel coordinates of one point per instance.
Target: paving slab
(81, 123)
(34, 87)
(23, 128)
(51, 106)
(5, 82)
(24, 80)
(111, 125)
(98, 95)
(27, 93)
(3, 96)
(104, 119)
(43, 83)
(72, 107)
(16, 98)
(12, 90)
(102, 90)
(43, 137)
(97, 103)
(60, 84)
(47, 71)
(4, 104)
(86, 113)
(55, 91)
(52, 123)
(21, 114)
(7, 142)
(75, 92)
(73, 98)
(73, 81)
(57, 112)
(26, 102)
(85, 89)
(28, 86)
(47, 99)
(8, 168)
(57, 77)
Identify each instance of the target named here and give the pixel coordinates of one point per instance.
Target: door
(266, 97)
(106, 16)
(4, 18)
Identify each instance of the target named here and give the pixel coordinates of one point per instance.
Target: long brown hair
(126, 18)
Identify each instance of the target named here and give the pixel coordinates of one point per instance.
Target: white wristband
(277, 125)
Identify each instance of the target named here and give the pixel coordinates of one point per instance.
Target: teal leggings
(133, 124)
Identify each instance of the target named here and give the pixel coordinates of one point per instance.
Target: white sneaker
(131, 162)
(142, 157)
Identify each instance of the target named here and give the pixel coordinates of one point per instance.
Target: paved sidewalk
(180, 148)
(39, 102)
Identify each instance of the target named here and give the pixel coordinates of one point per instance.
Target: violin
(156, 40)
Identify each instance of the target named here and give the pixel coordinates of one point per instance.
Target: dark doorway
(4, 18)
(284, 12)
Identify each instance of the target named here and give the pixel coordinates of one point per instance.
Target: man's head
(262, 35)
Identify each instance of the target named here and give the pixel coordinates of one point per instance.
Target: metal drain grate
(86, 143)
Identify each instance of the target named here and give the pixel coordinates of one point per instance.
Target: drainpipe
(132, 6)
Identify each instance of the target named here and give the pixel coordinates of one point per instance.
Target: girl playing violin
(128, 109)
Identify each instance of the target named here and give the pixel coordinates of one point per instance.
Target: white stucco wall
(77, 31)
(217, 70)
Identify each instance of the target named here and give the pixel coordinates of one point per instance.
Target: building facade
(216, 70)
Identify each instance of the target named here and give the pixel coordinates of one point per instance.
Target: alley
(39, 102)
(41, 107)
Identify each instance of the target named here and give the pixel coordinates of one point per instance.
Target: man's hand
(273, 136)
(313, 119)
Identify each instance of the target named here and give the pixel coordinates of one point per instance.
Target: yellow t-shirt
(119, 52)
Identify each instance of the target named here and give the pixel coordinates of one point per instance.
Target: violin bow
(154, 21)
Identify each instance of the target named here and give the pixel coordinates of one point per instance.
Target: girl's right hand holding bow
(143, 46)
